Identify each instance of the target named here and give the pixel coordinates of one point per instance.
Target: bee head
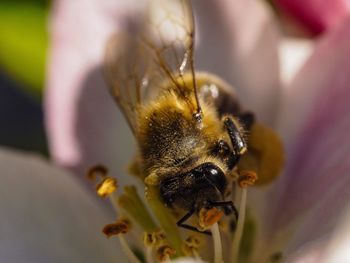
(196, 188)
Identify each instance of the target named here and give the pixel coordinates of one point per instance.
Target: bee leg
(180, 223)
(234, 131)
(228, 206)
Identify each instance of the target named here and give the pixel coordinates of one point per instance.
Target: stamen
(149, 257)
(190, 247)
(159, 238)
(240, 225)
(154, 239)
(157, 241)
(218, 258)
(131, 203)
(127, 250)
(149, 243)
(147, 239)
(246, 178)
(121, 226)
(113, 199)
(97, 170)
(164, 253)
(165, 218)
(106, 187)
(208, 217)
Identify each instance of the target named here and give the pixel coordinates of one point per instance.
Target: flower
(315, 16)
(310, 112)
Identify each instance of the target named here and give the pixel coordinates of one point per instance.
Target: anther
(155, 239)
(106, 187)
(208, 217)
(147, 239)
(165, 252)
(121, 226)
(97, 170)
(190, 246)
(246, 178)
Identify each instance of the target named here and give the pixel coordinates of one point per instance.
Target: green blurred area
(24, 42)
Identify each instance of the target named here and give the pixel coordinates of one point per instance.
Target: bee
(190, 129)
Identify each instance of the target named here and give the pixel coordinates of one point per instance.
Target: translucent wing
(125, 69)
(171, 38)
(160, 48)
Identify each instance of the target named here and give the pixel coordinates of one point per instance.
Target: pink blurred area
(316, 16)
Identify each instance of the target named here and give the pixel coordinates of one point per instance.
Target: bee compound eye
(212, 175)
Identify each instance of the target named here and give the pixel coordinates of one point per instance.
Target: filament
(127, 250)
(167, 259)
(217, 243)
(113, 200)
(240, 226)
(196, 255)
(149, 258)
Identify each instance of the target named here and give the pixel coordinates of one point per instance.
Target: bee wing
(171, 41)
(125, 69)
(137, 63)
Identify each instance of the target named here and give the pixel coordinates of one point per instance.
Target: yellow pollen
(121, 226)
(247, 178)
(265, 154)
(106, 187)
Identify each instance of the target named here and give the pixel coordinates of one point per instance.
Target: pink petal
(84, 126)
(46, 216)
(315, 125)
(316, 15)
(333, 249)
(238, 40)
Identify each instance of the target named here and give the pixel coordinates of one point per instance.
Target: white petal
(293, 52)
(84, 125)
(338, 247)
(47, 217)
(238, 40)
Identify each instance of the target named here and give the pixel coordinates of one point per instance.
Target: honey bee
(189, 127)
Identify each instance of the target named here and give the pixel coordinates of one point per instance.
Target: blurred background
(23, 50)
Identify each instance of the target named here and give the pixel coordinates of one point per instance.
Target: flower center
(161, 238)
